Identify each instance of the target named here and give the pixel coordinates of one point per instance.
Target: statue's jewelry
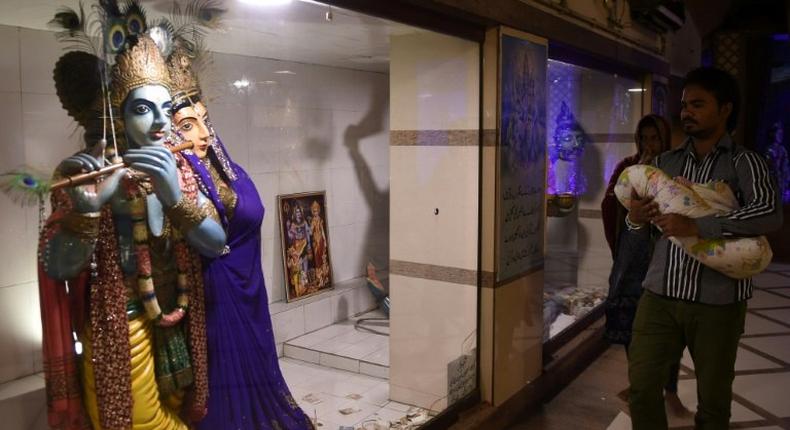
(82, 225)
(139, 66)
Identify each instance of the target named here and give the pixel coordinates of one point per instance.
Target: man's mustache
(688, 121)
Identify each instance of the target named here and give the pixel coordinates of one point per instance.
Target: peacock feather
(162, 35)
(73, 29)
(24, 186)
(114, 26)
(135, 18)
(193, 21)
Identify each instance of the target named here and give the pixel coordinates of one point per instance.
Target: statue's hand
(92, 196)
(160, 164)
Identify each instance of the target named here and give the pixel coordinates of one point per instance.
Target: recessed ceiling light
(267, 2)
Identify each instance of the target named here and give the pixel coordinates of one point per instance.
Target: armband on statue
(82, 225)
(186, 214)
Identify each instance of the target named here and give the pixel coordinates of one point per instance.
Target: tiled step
(346, 347)
(23, 403)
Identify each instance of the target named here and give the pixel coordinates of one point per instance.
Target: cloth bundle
(737, 258)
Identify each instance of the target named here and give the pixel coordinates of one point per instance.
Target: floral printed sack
(737, 258)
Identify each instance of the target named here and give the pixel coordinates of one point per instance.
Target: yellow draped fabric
(149, 412)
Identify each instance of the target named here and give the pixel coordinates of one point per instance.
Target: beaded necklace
(137, 190)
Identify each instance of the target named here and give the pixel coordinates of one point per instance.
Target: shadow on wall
(375, 240)
(593, 171)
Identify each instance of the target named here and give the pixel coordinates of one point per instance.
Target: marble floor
(336, 398)
(339, 398)
(359, 344)
(762, 375)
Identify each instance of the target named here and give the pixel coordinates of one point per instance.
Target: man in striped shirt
(687, 304)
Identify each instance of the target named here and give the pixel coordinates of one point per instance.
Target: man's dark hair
(723, 86)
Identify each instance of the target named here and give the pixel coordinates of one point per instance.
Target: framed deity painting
(304, 239)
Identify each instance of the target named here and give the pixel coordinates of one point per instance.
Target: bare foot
(676, 407)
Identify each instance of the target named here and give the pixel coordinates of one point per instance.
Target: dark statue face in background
(569, 138)
(569, 143)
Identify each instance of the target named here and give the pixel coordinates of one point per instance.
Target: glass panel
(361, 113)
(591, 119)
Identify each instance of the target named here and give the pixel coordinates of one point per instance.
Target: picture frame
(304, 240)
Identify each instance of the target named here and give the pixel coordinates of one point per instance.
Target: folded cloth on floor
(737, 258)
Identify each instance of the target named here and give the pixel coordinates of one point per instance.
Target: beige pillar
(434, 162)
(511, 306)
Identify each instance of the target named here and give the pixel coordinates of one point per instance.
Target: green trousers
(662, 328)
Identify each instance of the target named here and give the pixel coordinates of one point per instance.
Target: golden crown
(136, 67)
(186, 87)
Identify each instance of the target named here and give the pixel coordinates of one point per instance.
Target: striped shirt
(675, 274)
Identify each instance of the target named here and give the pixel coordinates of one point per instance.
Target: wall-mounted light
(285, 72)
(241, 83)
(636, 90)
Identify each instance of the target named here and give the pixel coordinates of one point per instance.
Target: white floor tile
(746, 360)
(362, 349)
(765, 428)
(330, 410)
(378, 395)
(386, 414)
(381, 356)
(621, 422)
(782, 315)
(374, 370)
(759, 325)
(775, 346)
(332, 346)
(398, 406)
(767, 299)
(770, 280)
(766, 391)
(299, 353)
(779, 267)
(349, 386)
(338, 362)
(311, 339)
(687, 391)
(21, 386)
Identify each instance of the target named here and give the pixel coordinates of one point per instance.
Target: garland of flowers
(136, 193)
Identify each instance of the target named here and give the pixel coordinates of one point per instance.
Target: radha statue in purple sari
(246, 386)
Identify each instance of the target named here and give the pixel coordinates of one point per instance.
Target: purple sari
(246, 387)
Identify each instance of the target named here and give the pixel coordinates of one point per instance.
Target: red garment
(64, 393)
(612, 212)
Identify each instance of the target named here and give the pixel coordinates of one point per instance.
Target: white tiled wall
(290, 137)
(37, 133)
